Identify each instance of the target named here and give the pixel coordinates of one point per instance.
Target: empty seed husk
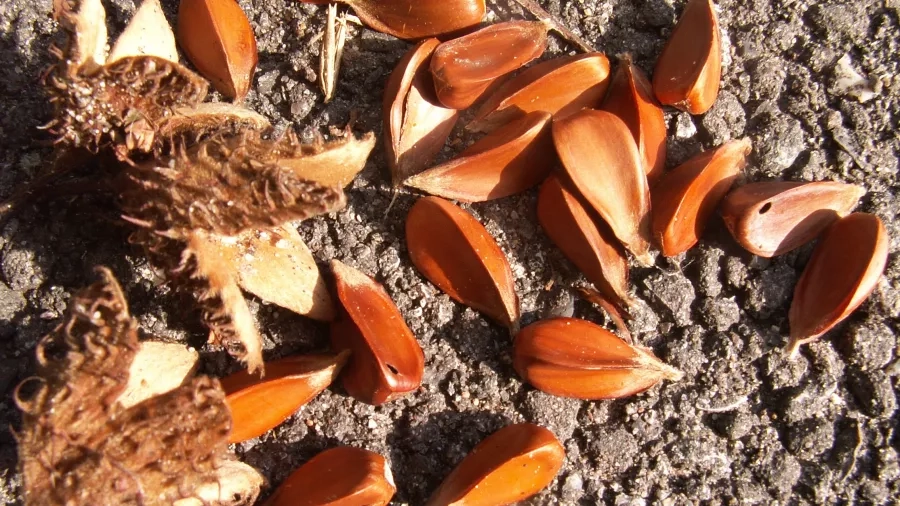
(689, 69)
(148, 34)
(775, 217)
(261, 404)
(505, 162)
(416, 125)
(602, 160)
(508, 466)
(387, 360)
(842, 273)
(576, 358)
(218, 39)
(338, 476)
(630, 97)
(157, 368)
(587, 242)
(560, 86)
(464, 68)
(455, 252)
(416, 19)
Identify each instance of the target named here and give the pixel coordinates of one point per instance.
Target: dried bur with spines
(774, 217)
(841, 274)
(689, 68)
(387, 361)
(78, 443)
(576, 358)
(686, 196)
(508, 466)
(454, 251)
(343, 475)
(258, 405)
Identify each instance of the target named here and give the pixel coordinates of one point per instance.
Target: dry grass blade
(508, 466)
(503, 163)
(260, 404)
(147, 34)
(601, 159)
(576, 358)
(689, 69)
(416, 125)
(773, 218)
(387, 360)
(560, 86)
(685, 197)
(455, 252)
(842, 273)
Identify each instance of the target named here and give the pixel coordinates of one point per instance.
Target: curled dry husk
(775, 217)
(387, 361)
(456, 253)
(217, 38)
(505, 162)
(560, 86)
(575, 358)
(343, 475)
(168, 447)
(464, 68)
(508, 466)
(631, 99)
(587, 242)
(686, 196)
(416, 19)
(689, 69)
(260, 404)
(601, 159)
(416, 125)
(842, 273)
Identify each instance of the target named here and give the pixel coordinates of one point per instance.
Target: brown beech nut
(508, 466)
(416, 125)
(463, 68)
(576, 358)
(560, 86)
(343, 476)
(505, 162)
(416, 19)
(218, 39)
(601, 159)
(689, 69)
(631, 99)
(587, 242)
(455, 252)
(775, 217)
(387, 361)
(260, 404)
(685, 197)
(842, 273)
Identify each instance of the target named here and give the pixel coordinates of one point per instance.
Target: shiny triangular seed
(842, 273)
(463, 68)
(387, 360)
(560, 86)
(218, 39)
(688, 71)
(416, 125)
(339, 476)
(455, 252)
(416, 19)
(772, 218)
(508, 466)
(505, 162)
(576, 358)
(587, 242)
(260, 404)
(631, 99)
(686, 196)
(157, 368)
(602, 160)
(147, 34)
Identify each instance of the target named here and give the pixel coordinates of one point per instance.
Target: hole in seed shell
(764, 209)
(392, 368)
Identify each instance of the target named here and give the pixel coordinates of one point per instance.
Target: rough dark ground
(744, 426)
